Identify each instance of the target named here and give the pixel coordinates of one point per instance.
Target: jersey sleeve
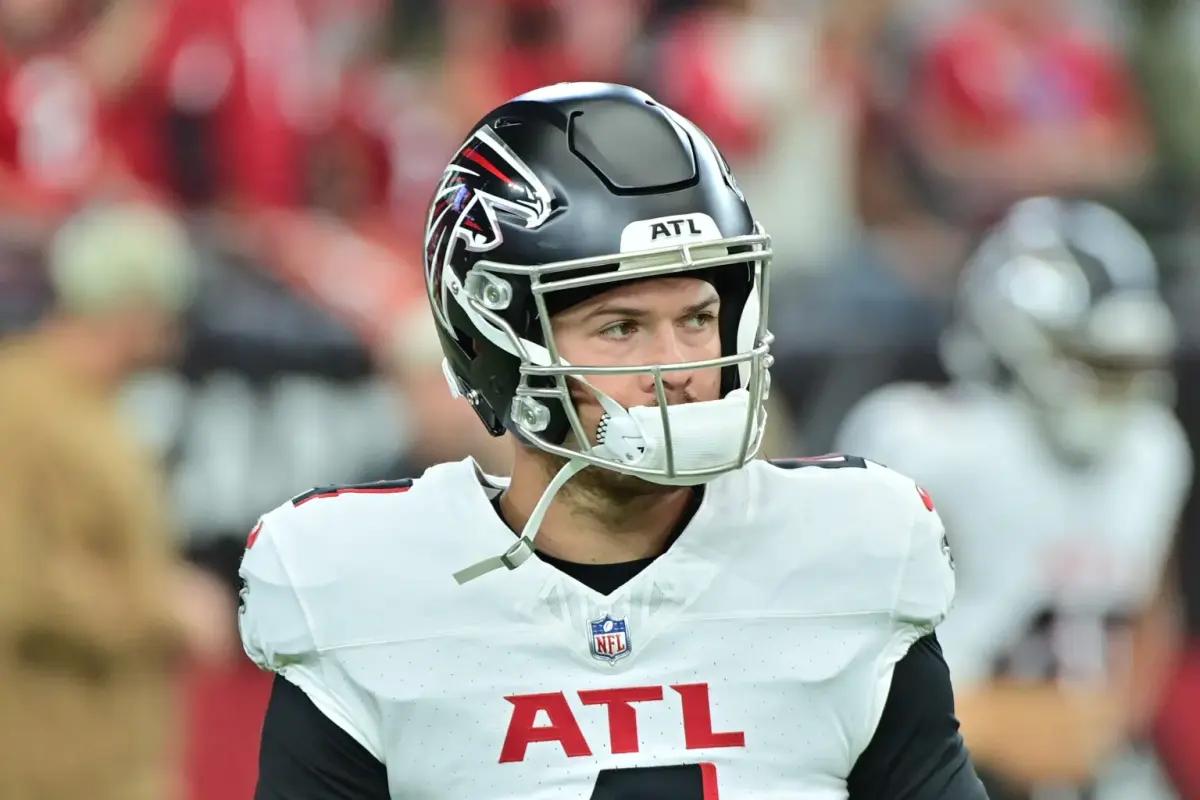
(274, 630)
(922, 585)
(281, 570)
(925, 588)
(917, 752)
(915, 430)
(891, 427)
(305, 756)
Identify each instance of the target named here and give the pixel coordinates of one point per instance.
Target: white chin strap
(520, 552)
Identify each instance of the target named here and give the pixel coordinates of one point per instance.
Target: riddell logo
(674, 227)
(562, 727)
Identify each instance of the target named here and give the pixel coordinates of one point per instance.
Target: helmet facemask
(679, 444)
(682, 444)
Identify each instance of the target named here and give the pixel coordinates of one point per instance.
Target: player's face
(659, 321)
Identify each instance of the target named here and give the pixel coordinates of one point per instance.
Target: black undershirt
(607, 578)
(915, 754)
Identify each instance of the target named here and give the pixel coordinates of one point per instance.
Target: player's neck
(593, 527)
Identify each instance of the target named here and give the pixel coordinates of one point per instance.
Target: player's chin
(618, 485)
(598, 480)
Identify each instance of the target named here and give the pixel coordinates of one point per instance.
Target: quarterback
(643, 609)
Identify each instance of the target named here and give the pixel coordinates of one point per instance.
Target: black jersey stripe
(828, 461)
(374, 487)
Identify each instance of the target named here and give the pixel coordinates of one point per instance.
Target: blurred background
(211, 300)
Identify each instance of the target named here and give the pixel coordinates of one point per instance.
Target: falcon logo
(483, 179)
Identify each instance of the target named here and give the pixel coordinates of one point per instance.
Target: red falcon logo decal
(484, 177)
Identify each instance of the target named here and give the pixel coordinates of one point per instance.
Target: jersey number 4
(678, 782)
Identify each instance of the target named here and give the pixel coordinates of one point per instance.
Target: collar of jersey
(650, 599)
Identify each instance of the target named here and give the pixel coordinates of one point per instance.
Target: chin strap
(520, 552)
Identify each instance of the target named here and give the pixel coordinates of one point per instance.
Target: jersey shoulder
(321, 570)
(868, 536)
(305, 547)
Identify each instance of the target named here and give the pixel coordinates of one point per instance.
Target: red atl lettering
(697, 720)
(622, 718)
(708, 780)
(562, 728)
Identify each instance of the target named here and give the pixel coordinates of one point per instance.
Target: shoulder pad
(925, 588)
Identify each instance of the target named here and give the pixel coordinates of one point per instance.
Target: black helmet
(554, 196)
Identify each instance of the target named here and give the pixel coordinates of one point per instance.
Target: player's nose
(669, 349)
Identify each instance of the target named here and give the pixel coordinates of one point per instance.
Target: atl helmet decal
(484, 177)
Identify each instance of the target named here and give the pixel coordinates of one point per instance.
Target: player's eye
(700, 320)
(619, 331)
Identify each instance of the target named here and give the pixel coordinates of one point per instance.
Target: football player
(642, 610)
(1060, 470)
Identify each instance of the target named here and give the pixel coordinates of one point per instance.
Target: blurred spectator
(94, 610)
(497, 49)
(1017, 97)
(206, 101)
(782, 107)
(713, 65)
(1061, 473)
(74, 119)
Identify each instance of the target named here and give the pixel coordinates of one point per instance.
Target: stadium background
(299, 140)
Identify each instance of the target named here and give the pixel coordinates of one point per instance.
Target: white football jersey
(759, 647)
(1048, 557)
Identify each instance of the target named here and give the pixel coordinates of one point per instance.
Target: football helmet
(1061, 299)
(554, 197)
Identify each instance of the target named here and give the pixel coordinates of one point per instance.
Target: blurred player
(689, 622)
(1060, 471)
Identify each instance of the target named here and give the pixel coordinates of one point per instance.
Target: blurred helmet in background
(1061, 301)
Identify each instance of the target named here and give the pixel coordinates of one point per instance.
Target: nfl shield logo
(610, 639)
